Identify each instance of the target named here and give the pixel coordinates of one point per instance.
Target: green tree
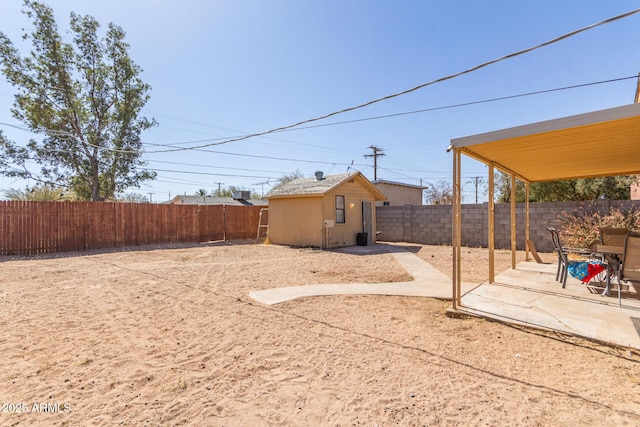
(608, 187)
(222, 192)
(502, 188)
(84, 97)
(612, 187)
(555, 191)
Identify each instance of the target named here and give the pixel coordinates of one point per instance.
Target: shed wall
(296, 221)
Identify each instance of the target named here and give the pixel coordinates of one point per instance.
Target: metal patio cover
(600, 143)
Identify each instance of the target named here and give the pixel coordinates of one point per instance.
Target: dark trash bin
(361, 239)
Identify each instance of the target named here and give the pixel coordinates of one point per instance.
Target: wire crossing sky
(404, 92)
(222, 71)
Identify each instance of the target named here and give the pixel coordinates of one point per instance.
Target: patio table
(609, 250)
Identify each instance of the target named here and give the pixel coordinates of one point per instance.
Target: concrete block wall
(392, 221)
(431, 224)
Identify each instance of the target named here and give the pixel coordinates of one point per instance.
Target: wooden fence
(29, 228)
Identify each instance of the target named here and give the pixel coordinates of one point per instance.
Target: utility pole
(478, 181)
(377, 152)
(219, 188)
(638, 90)
(477, 177)
(151, 197)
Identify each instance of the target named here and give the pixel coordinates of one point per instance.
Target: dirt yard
(169, 336)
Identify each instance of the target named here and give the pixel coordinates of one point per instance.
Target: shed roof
(399, 184)
(310, 187)
(600, 143)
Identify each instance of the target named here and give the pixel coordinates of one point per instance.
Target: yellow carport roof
(600, 143)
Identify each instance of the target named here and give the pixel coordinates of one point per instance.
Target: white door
(367, 221)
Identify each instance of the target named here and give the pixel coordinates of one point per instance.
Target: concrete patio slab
(529, 295)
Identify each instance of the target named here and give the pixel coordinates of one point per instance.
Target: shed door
(367, 221)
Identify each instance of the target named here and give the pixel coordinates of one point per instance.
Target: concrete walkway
(427, 280)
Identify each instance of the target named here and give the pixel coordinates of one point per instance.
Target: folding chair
(630, 269)
(563, 255)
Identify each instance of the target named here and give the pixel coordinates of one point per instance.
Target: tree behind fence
(29, 228)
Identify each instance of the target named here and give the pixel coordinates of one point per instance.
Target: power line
(177, 118)
(439, 80)
(206, 173)
(398, 174)
(172, 145)
(333, 164)
(207, 151)
(212, 166)
(179, 181)
(255, 156)
(425, 110)
(466, 104)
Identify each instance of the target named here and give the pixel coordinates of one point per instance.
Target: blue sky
(221, 69)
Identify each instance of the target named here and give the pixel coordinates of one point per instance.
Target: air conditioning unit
(242, 195)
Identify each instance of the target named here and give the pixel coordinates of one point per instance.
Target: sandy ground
(169, 336)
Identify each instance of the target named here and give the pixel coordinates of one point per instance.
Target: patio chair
(613, 236)
(563, 255)
(629, 270)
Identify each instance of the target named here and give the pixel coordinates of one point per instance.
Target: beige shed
(327, 212)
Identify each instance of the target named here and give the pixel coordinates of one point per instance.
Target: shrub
(582, 230)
